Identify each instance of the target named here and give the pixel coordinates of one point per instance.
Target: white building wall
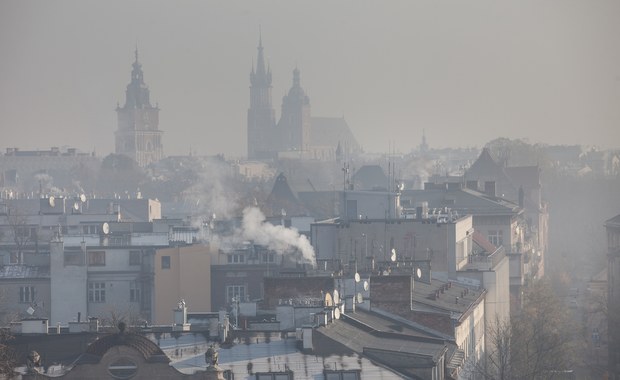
(68, 287)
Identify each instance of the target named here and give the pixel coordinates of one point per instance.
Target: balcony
(483, 262)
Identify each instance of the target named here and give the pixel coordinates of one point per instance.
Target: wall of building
(14, 306)
(68, 284)
(188, 278)
(360, 241)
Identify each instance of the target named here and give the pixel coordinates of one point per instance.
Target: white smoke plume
(279, 238)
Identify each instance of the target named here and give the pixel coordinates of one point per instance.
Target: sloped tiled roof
(23, 271)
(464, 201)
(360, 338)
(484, 166)
(613, 222)
(483, 242)
(283, 198)
(329, 131)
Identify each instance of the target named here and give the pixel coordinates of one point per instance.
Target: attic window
(275, 376)
(342, 375)
(123, 368)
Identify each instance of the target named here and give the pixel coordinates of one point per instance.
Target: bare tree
(496, 364)
(542, 335)
(7, 355)
(20, 232)
(538, 343)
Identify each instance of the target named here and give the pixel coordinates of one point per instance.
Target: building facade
(297, 135)
(138, 135)
(613, 295)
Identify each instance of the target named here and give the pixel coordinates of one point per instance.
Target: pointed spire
(261, 76)
(137, 90)
(260, 62)
(296, 77)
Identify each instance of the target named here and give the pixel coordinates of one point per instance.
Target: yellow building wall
(188, 278)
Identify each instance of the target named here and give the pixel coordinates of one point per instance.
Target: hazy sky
(465, 71)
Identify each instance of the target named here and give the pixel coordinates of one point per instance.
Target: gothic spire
(137, 94)
(260, 62)
(262, 75)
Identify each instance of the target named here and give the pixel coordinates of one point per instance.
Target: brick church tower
(294, 126)
(261, 115)
(138, 135)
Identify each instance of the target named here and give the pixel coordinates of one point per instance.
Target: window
(233, 291)
(15, 258)
(135, 258)
(74, 257)
(342, 375)
(496, 237)
(165, 262)
(120, 240)
(274, 375)
(26, 294)
(122, 368)
(90, 229)
(96, 292)
(134, 291)
(96, 258)
(25, 232)
(269, 257)
(236, 258)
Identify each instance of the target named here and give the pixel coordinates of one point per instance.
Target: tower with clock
(138, 135)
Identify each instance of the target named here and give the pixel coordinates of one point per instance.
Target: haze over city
(466, 72)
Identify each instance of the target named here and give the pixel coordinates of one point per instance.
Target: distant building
(613, 295)
(28, 173)
(138, 135)
(297, 135)
(520, 185)
(182, 272)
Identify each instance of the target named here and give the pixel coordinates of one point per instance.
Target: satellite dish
(366, 285)
(52, 201)
(30, 310)
(337, 313)
(360, 298)
(105, 228)
(393, 257)
(418, 272)
(82, 198)
(336, 297)
(357, 277)
(76, 206)
(329, 301)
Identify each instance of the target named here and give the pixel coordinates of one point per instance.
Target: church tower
(138, 135)
(261, 115)
(295, 123)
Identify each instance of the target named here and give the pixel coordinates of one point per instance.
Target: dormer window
(123, 368)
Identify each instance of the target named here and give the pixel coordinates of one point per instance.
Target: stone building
(138, 135)
(297, 135)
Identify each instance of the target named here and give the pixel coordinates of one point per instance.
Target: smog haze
(465, 72)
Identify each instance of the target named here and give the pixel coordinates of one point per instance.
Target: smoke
(211, 194)
(275, 237)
